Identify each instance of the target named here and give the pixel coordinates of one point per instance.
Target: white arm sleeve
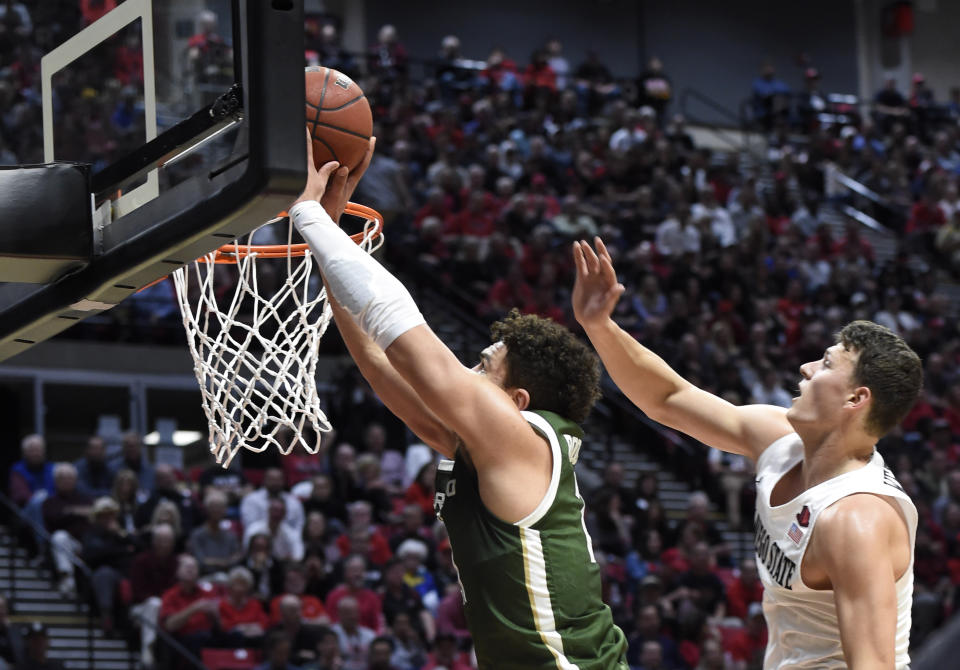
(374, 298)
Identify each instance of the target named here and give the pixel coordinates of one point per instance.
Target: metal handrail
(739, 121)
(80, 565)
(866, 220)
(832, 173)
(858, 188)
(20, 520)
(716, 106)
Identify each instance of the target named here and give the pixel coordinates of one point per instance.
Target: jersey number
(440, 497)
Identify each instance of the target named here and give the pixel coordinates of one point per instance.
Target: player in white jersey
(835, 531)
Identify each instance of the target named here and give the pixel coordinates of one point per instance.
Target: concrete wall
(611, 27)
(935, 47)
(717, 47)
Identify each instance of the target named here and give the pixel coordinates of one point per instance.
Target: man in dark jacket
(31, 473)
(108, 550)
(11, 639)
(94, 477)
(166, 488)
(65, 516)
(154, 571)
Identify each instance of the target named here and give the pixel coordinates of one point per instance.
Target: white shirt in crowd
(673, 239)
(721, 224)
(354, 647)
(255, 505)
(286, 544)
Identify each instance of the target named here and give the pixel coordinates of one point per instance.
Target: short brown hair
(888, 367)
(560, 372)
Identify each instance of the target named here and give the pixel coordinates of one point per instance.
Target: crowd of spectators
(486, 171)
(334, 563)
(339, 562)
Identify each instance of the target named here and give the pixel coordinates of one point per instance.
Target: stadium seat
(229, 659)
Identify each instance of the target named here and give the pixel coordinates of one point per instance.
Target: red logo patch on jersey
(804, 517)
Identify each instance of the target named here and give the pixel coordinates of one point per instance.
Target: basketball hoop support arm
(172, 145)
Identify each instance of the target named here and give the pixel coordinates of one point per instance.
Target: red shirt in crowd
(924, 217)
(443, 212)
(746, 647)
(94, 9)
(477, 224)
(498, 71)
(176, 600)
(952, 414)
(151, 576)
(379, 552)
(250, 612)
(458, 663)
(451, 618)
(856, 247)
(370, 609)
(739, 598)
(310, 608)
(418, 495)
(298, 466)
(504, 293)
(541, 76)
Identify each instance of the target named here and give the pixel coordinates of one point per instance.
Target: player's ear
(859, 397)
(520, 397)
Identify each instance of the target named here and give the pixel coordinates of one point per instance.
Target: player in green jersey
(507, 492)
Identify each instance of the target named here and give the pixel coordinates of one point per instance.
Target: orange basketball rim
(231, 253)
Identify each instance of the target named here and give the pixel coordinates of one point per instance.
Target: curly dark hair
(560, 372)
(888, 367)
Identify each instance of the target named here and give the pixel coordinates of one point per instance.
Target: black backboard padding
(183, 223)
(45, 213)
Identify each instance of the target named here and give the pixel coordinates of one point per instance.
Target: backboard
(189, 113)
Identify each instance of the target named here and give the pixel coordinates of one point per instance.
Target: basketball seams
(327, 145)
(343, 106)
(343, 130)
(313, 122)
(323, 92)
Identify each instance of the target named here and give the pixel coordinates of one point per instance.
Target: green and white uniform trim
(532, 588)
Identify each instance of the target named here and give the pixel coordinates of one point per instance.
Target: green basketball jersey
(531, 589)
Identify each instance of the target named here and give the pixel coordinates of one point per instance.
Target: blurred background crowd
(739, 266)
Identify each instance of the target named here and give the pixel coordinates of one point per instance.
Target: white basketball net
(255, 356)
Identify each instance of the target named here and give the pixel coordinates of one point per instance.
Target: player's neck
(830, 454)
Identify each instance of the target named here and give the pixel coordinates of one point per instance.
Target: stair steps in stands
(32, 595)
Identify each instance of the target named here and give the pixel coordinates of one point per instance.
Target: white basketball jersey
(802, 622)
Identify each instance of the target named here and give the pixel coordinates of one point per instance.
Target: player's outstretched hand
(596, 290)
(333, 184)
(344, 183)
(317, 180)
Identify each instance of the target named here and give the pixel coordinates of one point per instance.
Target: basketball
(338, 117)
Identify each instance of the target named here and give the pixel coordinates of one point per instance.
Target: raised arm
(390, 386)
(466, 404)
(650, 383)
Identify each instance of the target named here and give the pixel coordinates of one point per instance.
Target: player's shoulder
(862, 518)
(763, 425)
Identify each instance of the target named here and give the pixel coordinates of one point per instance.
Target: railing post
(14, 533)
(90, 640)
